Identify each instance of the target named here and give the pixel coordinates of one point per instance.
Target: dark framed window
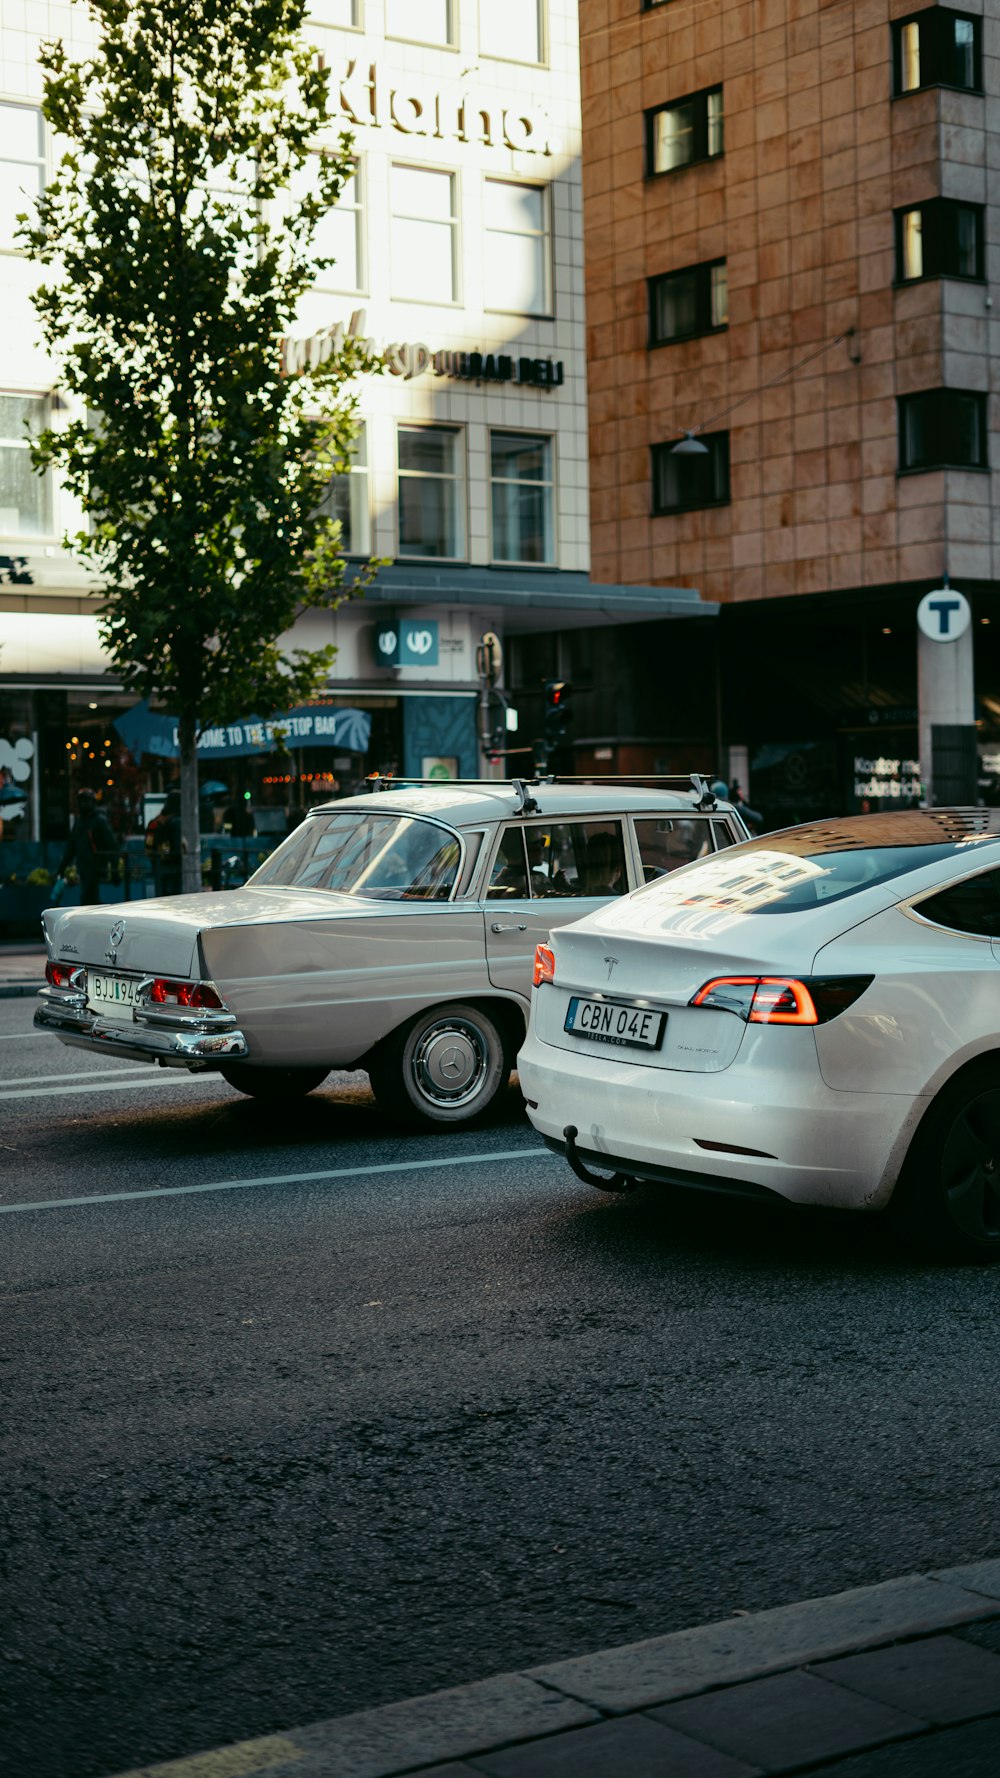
(972, 906)
(939, 239)
(683, 304)
(937, 48)
(685, 131)
(943, 429)
(683, 480)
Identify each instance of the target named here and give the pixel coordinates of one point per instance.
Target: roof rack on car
(526, 803)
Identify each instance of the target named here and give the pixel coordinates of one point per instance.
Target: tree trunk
(187, 729)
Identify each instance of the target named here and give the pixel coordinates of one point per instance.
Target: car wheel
(272, 1083)
(947, 1202)
(446, 1067)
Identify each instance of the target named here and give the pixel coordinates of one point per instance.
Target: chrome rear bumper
(196, 1040)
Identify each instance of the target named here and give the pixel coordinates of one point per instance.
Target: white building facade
(459, 254)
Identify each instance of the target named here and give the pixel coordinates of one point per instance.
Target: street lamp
(689, 446)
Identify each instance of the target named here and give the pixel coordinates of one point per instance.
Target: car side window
(509, 876)
(668, 841)
(971, 907)
(577, 858)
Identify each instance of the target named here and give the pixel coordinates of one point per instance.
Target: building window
(684, 304)
(521, 475)
(512, 30)
(682, 481)
(939, 239)
(685, 131)
(421, 21)
(346, 499)
(25, 498)
(340, 233)
(517, 248)
(431, 492)
(942, 429)
(22, 165)
(424, 235)
(937, 48)
(345, 13)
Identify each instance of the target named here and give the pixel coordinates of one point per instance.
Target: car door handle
(498, 926)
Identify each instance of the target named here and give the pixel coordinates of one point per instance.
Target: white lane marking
(53, 1080)
(237, 1185)
(19, 1036)
(154, 1080)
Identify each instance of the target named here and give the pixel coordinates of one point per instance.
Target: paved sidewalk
(22, 969)
(900, 1680)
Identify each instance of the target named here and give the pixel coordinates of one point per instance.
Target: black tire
(947, 1201)
(444, 1069)
(272, 1083)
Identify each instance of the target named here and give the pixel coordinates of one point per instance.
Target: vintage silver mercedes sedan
(393, 931)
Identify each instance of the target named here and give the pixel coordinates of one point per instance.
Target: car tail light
(545, 966)
(782, 1000)
(60, 975)
(200, 995)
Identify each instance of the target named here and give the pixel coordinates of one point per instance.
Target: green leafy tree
(178, 257)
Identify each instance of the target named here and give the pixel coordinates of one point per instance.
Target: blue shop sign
(309, 725)
(407, 642)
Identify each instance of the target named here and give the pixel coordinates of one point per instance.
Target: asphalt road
(396, 1411)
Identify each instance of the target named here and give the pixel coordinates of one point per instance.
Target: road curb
(19, 990)
(511, 1709)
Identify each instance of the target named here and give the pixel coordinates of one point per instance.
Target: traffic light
(558, 715)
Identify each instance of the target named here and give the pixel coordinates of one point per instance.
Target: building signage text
(406, 642)
(894, 778)
(411, 358)
(368, 99)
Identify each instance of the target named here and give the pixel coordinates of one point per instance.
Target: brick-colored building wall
(817, 156)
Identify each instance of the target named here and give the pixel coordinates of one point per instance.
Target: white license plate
(607, 1021)
(113, 996)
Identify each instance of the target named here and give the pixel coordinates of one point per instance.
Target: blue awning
(309, 725)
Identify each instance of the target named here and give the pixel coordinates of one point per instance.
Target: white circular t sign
(944, 615)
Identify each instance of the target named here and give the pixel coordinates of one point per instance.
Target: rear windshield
(381, 857)
(786, 873)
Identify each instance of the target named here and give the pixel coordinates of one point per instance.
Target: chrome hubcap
(450, 1062)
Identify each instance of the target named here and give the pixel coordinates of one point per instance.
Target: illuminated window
(937, 48)
(939, 239)
(685, 131)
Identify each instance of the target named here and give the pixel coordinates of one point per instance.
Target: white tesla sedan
(813, 1015)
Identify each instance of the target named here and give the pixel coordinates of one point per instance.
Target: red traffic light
(556, 693)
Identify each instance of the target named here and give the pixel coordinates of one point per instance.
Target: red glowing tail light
(782, 1000)
(60, 975)
(199, 995)
(545, 966)
(760, 999)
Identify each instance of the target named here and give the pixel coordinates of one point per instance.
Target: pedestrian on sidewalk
(165, 846)
(91, 847)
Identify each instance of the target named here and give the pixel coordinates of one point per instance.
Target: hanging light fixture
(689, 446)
